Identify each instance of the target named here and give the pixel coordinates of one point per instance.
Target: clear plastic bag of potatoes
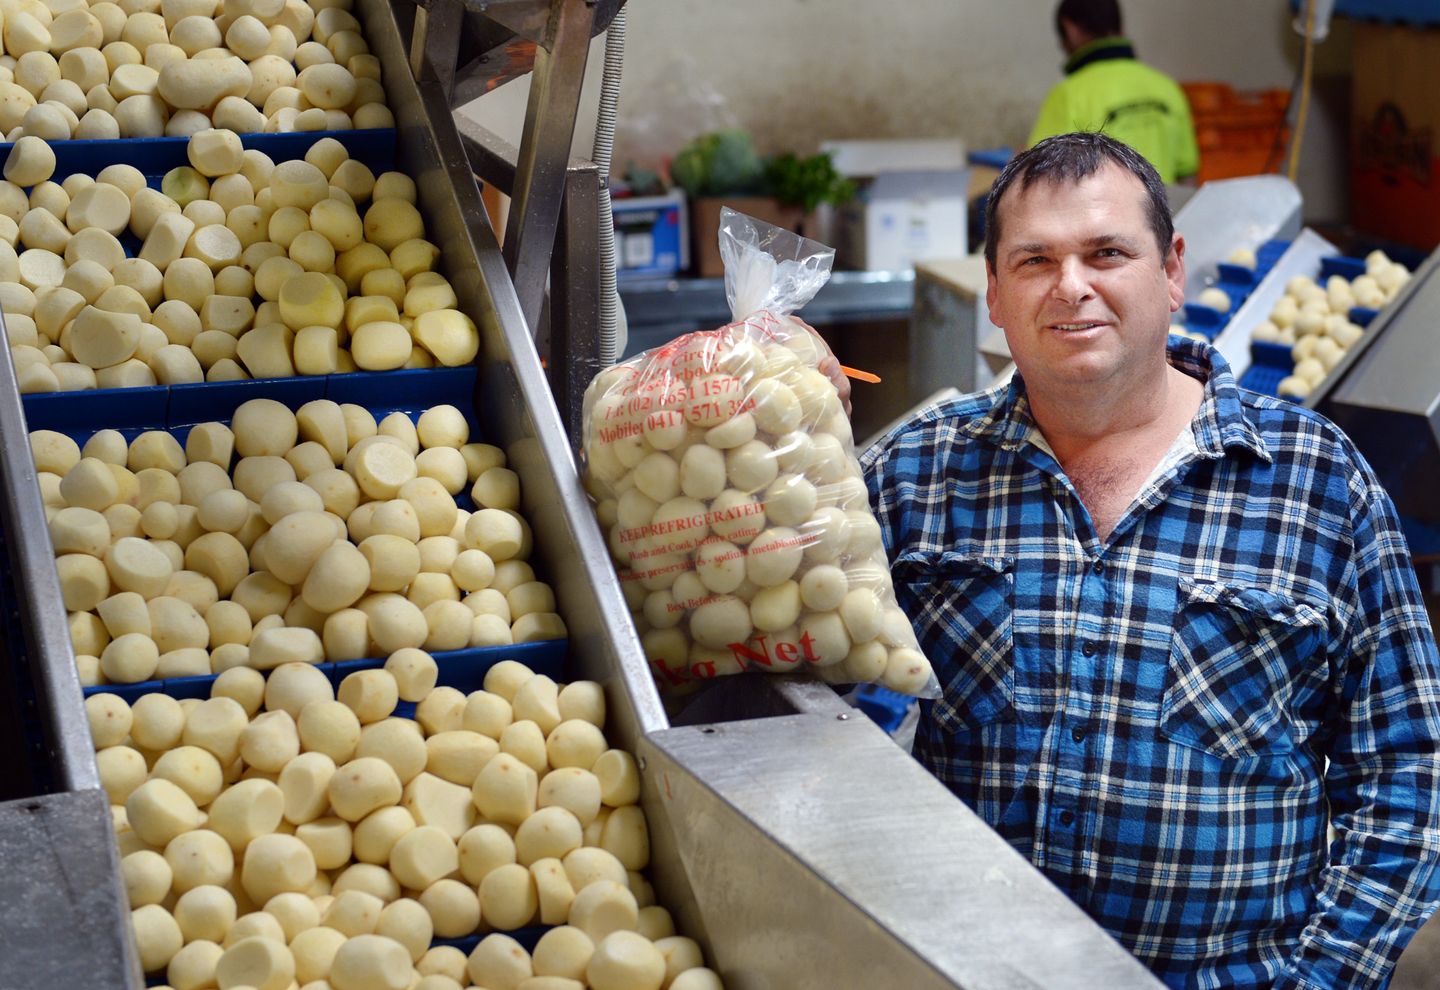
(725, 475)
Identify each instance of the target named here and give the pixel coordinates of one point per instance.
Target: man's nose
(1072, 281)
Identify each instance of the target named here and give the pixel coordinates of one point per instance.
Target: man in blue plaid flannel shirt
(1175, 621)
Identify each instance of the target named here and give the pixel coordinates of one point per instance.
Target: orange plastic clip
(858, 375)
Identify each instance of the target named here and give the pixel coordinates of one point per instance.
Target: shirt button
(1067, 818)
(1098, 567)
(1078, 734)
(1088, 649)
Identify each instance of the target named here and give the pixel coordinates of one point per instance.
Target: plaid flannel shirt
(1165, 724)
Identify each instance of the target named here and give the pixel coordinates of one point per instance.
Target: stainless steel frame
(64, 915)
(551, 230)
(574, 298)
(818, 854)
(1234, 213)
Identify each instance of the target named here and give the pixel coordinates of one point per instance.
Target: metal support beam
(435, 44)
(575, 296)
(491, 157)
(545, 152)
(574, 341)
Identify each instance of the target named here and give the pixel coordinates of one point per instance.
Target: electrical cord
(1307, 68)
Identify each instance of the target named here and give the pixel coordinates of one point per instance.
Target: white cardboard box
(904, 217)
(867, 159)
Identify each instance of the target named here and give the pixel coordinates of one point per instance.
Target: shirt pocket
(961, 609)
(1235, 657)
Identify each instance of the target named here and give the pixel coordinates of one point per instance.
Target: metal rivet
(843, 717)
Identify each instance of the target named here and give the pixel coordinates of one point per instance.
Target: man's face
(1079, 284)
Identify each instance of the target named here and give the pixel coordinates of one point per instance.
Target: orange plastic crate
(1239, 133)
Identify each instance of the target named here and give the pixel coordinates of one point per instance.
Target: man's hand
(829, 366)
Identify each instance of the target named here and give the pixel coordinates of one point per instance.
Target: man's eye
(1036, 260)
(1109, 252)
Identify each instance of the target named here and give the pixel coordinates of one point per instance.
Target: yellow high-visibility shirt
(1106, 89)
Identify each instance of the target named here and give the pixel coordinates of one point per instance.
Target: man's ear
(1071, 35)
(992, 294)
(1175, 272)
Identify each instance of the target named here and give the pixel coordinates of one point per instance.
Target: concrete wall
(797, 72)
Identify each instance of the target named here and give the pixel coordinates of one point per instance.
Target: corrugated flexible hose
(612, 335)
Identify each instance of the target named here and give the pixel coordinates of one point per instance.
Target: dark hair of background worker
(1080, 22)
(1108, 89)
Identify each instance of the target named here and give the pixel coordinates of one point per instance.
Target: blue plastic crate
(176, 408)
(1362, 315)
(1272, 355)
(886, 708)
(1237, 275)
(462, 669)
(1346, 268)
(991, 157)
(1267, 254)
(1263, 379)
(1204, 319)
(158, 155)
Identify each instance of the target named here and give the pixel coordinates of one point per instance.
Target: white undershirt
(1180, 448)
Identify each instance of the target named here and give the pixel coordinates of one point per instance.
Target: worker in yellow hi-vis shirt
(1106, 89)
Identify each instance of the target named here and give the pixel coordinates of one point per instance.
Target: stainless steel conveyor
(1385, 394)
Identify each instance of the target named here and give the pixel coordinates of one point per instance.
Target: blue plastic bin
(176, 408)
(156, 156)
(886, 708)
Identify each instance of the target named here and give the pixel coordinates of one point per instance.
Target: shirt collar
(1099, 50)
(1220, 426)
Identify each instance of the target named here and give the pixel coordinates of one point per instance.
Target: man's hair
(1070, 158)
(1097, 18)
